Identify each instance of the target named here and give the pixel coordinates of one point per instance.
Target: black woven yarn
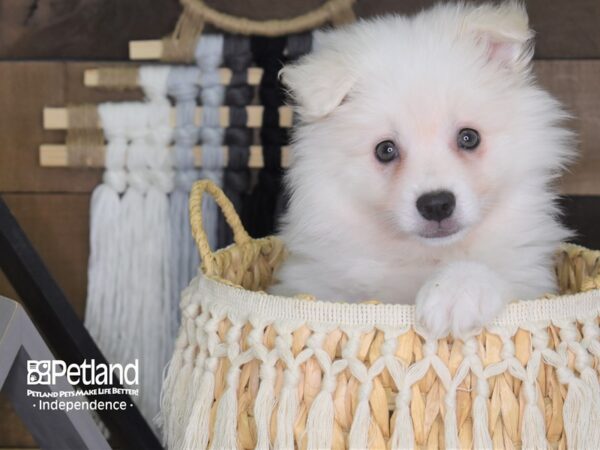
(237, 56)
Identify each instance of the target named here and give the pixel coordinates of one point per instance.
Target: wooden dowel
(148, 50)
(58, 119)
(91, 77)
(58, 155)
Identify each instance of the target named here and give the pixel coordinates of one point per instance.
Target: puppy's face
(423, 160)
(419, 124)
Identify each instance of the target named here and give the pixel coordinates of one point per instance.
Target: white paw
(461, 298)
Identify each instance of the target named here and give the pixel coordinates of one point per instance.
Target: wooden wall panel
(81, 29)
(576, 84)
(564, 29)
(101, 29)
(58, 227)
(25, 88)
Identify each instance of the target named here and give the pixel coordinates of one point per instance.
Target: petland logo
(45, 372)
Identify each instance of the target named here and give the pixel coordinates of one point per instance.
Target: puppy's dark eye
(468, 139)
(386, 151)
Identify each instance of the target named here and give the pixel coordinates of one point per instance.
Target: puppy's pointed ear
(504, 30)
(319, 81)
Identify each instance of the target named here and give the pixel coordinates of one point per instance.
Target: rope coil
(179, 46)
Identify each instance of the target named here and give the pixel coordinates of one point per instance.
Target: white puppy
(423, 164)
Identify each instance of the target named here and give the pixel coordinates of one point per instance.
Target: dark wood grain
(57, 225)
(101, 29)
(576, 84)
(81, 29)
(564, 29)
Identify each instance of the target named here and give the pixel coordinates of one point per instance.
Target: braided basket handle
(240, 235)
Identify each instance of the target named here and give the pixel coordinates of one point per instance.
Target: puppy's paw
(459, 299)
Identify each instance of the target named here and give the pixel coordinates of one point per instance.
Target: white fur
(352, 227)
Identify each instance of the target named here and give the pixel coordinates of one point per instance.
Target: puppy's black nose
(437, 205)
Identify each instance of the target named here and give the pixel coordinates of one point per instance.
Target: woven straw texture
(256, 371)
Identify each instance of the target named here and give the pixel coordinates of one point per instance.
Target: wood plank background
(42, 47)
(101, 29)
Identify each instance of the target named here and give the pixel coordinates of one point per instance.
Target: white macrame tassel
(481, 432)
(533, 432)
(450, 426)
(403, 436)
(358, 438)
(319, 423)
(105, 210)
(156, 312)
(225, 430)
(165, 421)
(589, 376)
(197, 431)
(183, 87)
(576, 409)
(209, 55)
(132, 257)
(286, 413)
(263, 406)
(178, 414)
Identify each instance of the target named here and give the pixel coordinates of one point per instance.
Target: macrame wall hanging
(183, 87)
(129, 311)
(209, 55)
(237, 55)
(142, 254)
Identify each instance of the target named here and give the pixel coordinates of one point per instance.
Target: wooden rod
(93, 78)
(58, 118)
(59, 155)
(145, 50)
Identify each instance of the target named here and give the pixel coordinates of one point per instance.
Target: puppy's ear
(504, 30)
(319, 81)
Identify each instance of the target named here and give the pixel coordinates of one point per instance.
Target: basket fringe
(358, 438)
(450, 426)
(403, 437)
(197, 432)
(225, 429)
(590, 378)
(166, 395)
(177, 411)
(481, 433)
(286, 416)
(533, 433)
(576, 412)
(263, 407)
(319, 423)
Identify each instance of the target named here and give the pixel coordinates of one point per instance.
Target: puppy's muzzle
(437, 205)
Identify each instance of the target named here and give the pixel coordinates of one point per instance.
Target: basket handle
(240, 235)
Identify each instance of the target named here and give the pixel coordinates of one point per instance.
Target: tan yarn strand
(79, 142)
(118, 77)
(180, 46)
(239, 233)
(82, 116)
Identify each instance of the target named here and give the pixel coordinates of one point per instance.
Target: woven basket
(251, 370)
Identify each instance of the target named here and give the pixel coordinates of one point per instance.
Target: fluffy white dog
(423, 164)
